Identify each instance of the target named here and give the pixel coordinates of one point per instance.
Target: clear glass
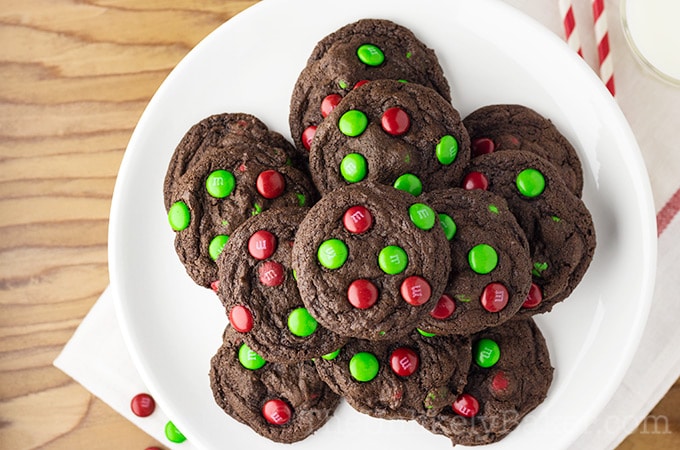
(652, 29)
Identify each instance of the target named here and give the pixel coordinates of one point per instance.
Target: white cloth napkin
(97, 358)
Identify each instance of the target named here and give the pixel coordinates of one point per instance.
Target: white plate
(490, 53)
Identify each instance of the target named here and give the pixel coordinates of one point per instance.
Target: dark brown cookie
(282, 402)
(222, 189)
(556, 222)
(370, 49)
(395, 379)
(490, 262)
(400, 134)
(223, 131)
(371, 261)
(509, 376)
(517, 127)
(259, 291)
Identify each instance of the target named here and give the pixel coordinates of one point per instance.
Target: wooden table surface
(75, 76)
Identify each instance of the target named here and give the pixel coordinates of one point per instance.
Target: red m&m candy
(482, 146)
(143, 405)
(241, 319)
(500, 381)
(276, 412)
(329, 103)
(360, 83)
(475, 180)
(308, 136)
(395, 121)
(357, 219)
(271, 273)
(270, 184)
(404, 361)
(261, 244)
(415, 290)
(362, 293)
(494, 297)
(466, 405)
(534, 298)
(444, 309)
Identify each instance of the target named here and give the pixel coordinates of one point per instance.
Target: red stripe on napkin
(667, 213)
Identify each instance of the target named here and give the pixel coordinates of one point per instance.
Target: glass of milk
(652, 29)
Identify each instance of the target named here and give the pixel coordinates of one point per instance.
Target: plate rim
(641, 179)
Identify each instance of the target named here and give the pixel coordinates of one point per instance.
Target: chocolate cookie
(259, 291)
(517, 127)
(222, 131)
(370, 49)
(490, 262)
(400, 134)
(510, 375)
(282, 402)
(556, 222)
(395, 379)
(371, 261)
(222, 189)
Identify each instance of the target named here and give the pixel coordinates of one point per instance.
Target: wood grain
(74, 78)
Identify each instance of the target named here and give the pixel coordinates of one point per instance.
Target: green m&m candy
(447, 150)
(173, 434)
(370, 54)
(332, 253)
(217, 245)
(409, 183)
(448, 225)
(392, 259)
(364, 366)
(332, 355)
(301, 323)
(422, 216)
(425, 333)
(353, 167)
(220, 183)
(486, 353)
(482, 258)
(530, 183)
(353, 123)
(249, 359)
(179, 216)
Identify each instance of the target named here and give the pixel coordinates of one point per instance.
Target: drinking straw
(569, 23)
(602, 41)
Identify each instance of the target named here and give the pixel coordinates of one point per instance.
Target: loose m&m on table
(142, 405)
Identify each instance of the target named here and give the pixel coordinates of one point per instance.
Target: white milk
(653, 31)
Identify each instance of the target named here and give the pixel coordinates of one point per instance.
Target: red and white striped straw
(569, 23)
(602, 41)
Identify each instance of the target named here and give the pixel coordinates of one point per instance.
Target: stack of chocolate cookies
(393, 255)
